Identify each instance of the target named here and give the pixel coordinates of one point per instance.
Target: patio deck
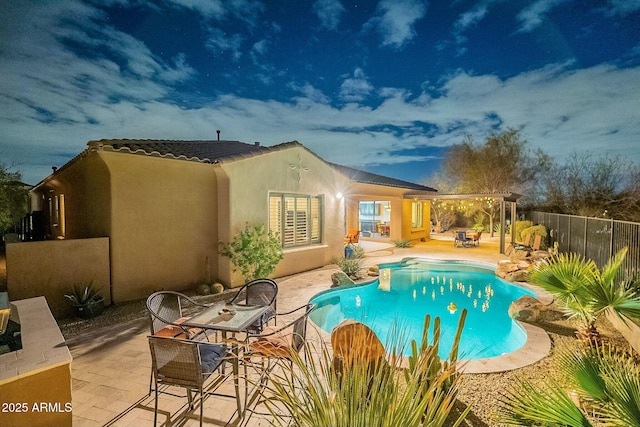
(111, 366)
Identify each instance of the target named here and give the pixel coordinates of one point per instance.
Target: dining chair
(189, 364)
(165, 309)
(277, 344)
(258, 292)
(356, 348)
(461, 239)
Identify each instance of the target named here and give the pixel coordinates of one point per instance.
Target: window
(297, 219)
(374, 217)
(416, 215)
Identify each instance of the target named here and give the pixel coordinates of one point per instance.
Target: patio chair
(188, 364)
(461, 240)
(258, 292)
(476, 238)
(357, 347)
(277, 344)
(166, 315)
(352, 236)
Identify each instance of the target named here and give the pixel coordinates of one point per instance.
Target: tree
(585, 292)
(13, 198)
(502, 164)
(595, 186)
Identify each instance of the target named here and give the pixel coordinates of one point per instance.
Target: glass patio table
(230, 320)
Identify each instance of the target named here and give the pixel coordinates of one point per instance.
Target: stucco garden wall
(50, 268)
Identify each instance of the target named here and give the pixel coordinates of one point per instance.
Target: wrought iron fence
(594, 238)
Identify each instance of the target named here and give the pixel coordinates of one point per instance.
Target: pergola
(502, 198)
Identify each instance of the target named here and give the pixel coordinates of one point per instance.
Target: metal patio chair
(258, 292)
(189, 364)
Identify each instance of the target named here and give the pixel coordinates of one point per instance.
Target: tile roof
(212, 151)
(215, 151)
(372, 178)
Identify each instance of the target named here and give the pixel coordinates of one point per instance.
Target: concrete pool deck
(111, 366)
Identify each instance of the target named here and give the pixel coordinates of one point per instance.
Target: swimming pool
(408, 290)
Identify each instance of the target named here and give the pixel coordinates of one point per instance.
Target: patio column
(502, 225)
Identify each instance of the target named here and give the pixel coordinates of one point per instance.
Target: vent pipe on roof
(218, 132)
(54, 168)
(257, 143)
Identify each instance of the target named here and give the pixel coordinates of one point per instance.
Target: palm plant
(585, 292)
(607, 383)
(380, 394)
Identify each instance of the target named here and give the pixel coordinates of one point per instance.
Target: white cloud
(356, 88)
(329, 12)
(221, 42)
(623, 7)
(244, 10)
(532, 16)
(396, 19)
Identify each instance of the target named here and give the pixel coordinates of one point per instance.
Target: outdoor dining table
(230, 320)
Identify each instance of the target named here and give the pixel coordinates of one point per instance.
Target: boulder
(339, 278)
(526, 309)
(203, 289)
(518, 276)
(217, 288)
(373, 271)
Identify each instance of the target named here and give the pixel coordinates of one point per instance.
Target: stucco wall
(51, 268)
(295, 171)
(164, 223)
(414, 234)
(85, 185)
(400, 224)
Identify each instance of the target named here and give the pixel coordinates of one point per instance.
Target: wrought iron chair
(258, 292)
(188, 364)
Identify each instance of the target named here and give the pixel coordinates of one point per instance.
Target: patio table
(229, 319)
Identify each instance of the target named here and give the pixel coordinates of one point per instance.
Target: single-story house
(162, 206)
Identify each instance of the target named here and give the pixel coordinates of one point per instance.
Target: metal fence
(594, 238)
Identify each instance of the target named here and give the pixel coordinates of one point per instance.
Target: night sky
(385, 86)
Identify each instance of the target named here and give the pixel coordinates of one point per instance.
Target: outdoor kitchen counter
(35, 382)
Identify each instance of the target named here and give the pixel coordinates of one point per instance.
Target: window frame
(297, 219)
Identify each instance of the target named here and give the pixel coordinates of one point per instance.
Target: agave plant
(607, 384)
(313, 394)
(585, 292)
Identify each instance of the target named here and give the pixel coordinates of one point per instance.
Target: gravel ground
(482, 391)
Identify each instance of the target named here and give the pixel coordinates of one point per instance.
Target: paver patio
(111, 366)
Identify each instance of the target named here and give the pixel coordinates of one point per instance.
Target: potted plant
(86, 300)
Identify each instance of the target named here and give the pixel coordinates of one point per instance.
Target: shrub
(520, 226)
(84, 293)
(402, 243)
(313, 393)
(351, 265)
(255, 251)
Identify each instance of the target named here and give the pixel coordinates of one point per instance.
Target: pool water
(394, 307)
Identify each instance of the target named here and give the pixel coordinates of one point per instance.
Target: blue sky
(384, 86)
